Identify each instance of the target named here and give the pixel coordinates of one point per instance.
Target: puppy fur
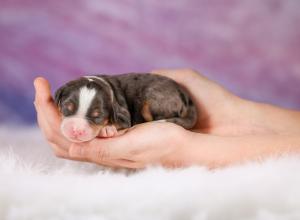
(126, 100)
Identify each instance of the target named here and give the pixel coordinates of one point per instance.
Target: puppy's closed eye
(68, 108)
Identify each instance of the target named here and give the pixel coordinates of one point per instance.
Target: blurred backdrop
(252, 47)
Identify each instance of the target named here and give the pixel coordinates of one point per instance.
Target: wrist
(217, 151)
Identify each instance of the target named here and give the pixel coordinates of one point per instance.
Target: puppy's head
(86, 106)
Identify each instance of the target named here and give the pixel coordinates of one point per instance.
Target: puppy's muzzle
(77, 129)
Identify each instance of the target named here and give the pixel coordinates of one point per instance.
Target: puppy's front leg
(108, 131)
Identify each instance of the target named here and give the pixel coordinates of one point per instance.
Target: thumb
(91, 151)
(42, 90)
(100, 149)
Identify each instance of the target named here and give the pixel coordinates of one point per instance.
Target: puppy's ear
(58, 95)
(120, 116)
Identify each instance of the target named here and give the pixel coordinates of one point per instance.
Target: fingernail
(35, 81)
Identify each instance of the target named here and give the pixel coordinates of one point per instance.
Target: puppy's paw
(108, 131)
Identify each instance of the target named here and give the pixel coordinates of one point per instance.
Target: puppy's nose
(77, 132)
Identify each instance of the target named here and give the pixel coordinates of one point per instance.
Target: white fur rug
(35, 185)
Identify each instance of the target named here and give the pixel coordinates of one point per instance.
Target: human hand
(145, 144)
(169, 145)
(218, 109)
(149, 143)
(221, 113)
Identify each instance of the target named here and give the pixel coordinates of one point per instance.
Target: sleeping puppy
(100, 105)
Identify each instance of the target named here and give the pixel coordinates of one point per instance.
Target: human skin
(229, 130)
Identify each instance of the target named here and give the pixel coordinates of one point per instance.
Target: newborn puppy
(100, 105)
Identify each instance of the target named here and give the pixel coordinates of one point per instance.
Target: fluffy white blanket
(36, 185)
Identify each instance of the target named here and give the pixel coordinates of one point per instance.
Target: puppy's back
(151, 97)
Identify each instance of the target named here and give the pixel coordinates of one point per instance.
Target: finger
(102, 149)
(129, 164)
(178, 71)
(117, 153)
(123, 131)
(61, 153)
(79, 151)
(77, 154)
(102, 132)
(43, 91)
(48, 116)
(90, 152)
(184, 76)
(176, 74)
(43, 99)
(165, 72)
(85, 153)
(111, 130)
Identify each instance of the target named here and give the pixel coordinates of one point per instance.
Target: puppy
(100, 105)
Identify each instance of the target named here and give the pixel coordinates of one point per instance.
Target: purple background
(252, 47)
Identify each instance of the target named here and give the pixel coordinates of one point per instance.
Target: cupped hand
(222, 116)
(149, 143)
(152, 143)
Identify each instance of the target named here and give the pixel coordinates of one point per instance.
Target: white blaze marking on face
(92, 78)
(86, 97)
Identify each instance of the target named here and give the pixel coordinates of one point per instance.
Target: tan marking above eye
(70, 106)
(95, 113)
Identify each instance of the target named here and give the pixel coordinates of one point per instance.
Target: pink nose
(78, 132)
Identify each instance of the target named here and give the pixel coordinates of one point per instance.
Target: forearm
(217, 151)
(272, 119)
